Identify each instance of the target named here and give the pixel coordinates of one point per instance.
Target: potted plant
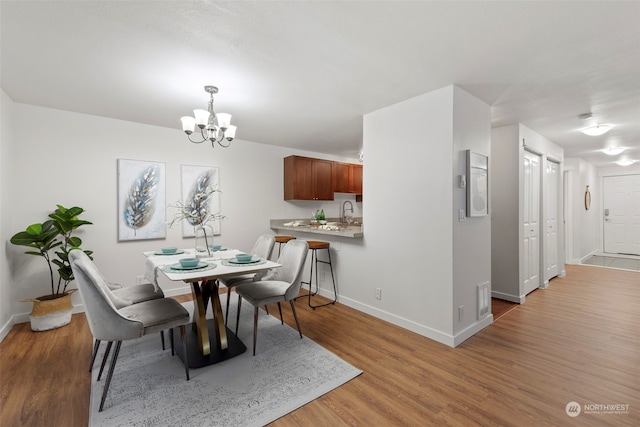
(55, 234)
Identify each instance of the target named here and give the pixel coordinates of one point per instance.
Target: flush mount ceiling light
(213, 127)
(613, 151)
(596, 130)
(625, 162)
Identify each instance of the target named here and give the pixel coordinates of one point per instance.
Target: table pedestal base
(196, 358)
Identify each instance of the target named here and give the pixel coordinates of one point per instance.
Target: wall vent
(484, 300)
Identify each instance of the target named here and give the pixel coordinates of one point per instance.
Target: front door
(531, 224)
(621, 214)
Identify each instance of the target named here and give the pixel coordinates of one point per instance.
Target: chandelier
(213, 127)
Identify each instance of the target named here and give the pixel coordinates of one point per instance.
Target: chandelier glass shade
(213, 127)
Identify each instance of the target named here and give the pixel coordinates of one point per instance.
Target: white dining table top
(156, 261)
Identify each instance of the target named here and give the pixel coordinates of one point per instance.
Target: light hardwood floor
(575, 341)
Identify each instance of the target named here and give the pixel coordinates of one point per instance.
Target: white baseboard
(472, 330)
(508, 297)
(6, 328)
(410, 325)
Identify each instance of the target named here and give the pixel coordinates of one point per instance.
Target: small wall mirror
(587, 198)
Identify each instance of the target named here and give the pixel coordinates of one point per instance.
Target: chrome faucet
(344, 210)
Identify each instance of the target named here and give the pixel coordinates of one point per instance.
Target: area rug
(149, 387)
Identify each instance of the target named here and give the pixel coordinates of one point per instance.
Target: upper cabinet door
(341, 177)
(323, 179)
(306, 178)
(355, 179)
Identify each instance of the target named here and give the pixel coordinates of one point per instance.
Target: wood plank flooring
(575, 341)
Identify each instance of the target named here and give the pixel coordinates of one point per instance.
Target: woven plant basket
(50, 313)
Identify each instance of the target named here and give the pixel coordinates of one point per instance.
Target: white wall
(6, 133)
(588, 225)
(71, 159)
(505, 207)
(471, 238)
(409, 211)
(585, 225)
(507, 148)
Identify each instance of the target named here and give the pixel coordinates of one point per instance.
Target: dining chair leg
(104, 359)
(162, 339)
(255, 328)
(238, 313)
(112, 366)
(96, 346)
(171, 340)
(295, 316)
(280, 310)
(183, 337)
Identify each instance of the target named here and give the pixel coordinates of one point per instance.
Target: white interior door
(531, 221)
(621, 203)
(551, 213)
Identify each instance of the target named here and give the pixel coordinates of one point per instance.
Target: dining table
(203, 280)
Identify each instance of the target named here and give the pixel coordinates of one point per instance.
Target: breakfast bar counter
(331, 228)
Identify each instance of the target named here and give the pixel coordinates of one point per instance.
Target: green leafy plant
(55, 234)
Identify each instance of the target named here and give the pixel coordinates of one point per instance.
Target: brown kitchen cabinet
(347, 178)
(341, 177)
(355, 179)
(306, 178)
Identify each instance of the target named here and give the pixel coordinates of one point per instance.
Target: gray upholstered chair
(262, 248)
(279, 284)
(110, 321)
(122, 297)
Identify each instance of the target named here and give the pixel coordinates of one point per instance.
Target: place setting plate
(178, 268)
(235, 263)
(178, 252)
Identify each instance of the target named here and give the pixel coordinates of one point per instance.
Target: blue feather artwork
(140, 206)
(198, 199)
(201, 197)
(141, 215)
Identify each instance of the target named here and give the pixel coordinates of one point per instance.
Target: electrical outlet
(462, 215)
(378, 293)
(322, 276)
(460, 313)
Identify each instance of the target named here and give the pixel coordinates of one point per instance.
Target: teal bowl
(244, 257)
(169, 250)
(189, 262)
(216, 247)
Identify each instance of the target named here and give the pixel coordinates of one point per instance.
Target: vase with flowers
(196, 210)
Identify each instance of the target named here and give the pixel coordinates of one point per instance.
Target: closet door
(531, 224)
(551, 213)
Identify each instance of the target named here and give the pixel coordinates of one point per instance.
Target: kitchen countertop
(304, 226)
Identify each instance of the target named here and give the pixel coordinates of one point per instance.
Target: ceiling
(303, 74)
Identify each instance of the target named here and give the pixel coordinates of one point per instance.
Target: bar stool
(314, 247)
(282, 239)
